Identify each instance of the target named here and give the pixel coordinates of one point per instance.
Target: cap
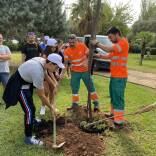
(31, 34)
(57, 59)
(51, 42)
(46, 37)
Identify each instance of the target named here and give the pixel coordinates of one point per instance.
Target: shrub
(135, 48)
(153, 51)
(12, 46)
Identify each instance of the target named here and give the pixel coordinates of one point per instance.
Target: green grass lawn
(16, 58)
(149, 65)
(140, 142)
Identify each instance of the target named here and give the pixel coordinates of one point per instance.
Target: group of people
(44, 71)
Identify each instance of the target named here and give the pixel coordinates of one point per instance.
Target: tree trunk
(142, 52)
(91, 51)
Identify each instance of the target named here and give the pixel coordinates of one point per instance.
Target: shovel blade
(59, 146)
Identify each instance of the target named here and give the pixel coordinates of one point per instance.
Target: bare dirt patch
(78, 142)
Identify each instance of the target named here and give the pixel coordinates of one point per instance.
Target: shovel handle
(100, 121)
(54, 128)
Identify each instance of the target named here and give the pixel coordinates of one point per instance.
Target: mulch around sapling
(79, 142)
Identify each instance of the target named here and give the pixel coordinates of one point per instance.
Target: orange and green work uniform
(79, 70)
(118, 79)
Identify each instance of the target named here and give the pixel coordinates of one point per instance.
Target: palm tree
(81, 16)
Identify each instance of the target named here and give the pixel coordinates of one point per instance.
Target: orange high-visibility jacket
(77, 57)
(119, 58)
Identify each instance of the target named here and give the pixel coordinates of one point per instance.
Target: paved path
(138, 77)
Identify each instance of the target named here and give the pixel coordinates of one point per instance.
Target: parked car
(80, 39)
(99, 63)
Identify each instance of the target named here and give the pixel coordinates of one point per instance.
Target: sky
(135, 5)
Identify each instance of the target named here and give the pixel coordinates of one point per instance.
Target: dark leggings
(26, 101)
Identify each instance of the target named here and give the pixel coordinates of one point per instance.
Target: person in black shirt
(31, 48)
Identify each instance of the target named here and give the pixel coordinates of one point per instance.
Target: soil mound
(72, 129)
(79, 143)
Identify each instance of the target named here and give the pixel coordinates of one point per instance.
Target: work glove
(97, 55)
(94, 42)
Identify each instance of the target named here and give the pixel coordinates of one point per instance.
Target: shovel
(140, 111)
(55, 146)
(106, 119)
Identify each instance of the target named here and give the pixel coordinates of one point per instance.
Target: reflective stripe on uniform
(93, 93)
(119, 57)
(118, 110)
(78, 60)
(118, 116)
(124, 58)
(115, 57)
(75, 94)
(118, 64)
(75, 98)
(118, 47)
(66, 57)
(76, 65)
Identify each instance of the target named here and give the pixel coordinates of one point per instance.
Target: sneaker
(96, 110)
(36, 121)
(33, 141)
(42, 110)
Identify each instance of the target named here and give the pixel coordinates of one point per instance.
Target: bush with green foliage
(147, 38)
(153, 51)
(135, 48)
(12, 46)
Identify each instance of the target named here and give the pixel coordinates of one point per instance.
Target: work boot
(33, 141)
(73, 107)
(96, 110)
(118, 126)
(109, 115)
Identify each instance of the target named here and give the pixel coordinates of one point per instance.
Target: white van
(99, 63)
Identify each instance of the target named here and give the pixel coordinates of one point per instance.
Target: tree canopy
(81, 16)
(147, 19)
(19, 17)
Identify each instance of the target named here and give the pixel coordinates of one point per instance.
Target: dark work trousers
(26, 101)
